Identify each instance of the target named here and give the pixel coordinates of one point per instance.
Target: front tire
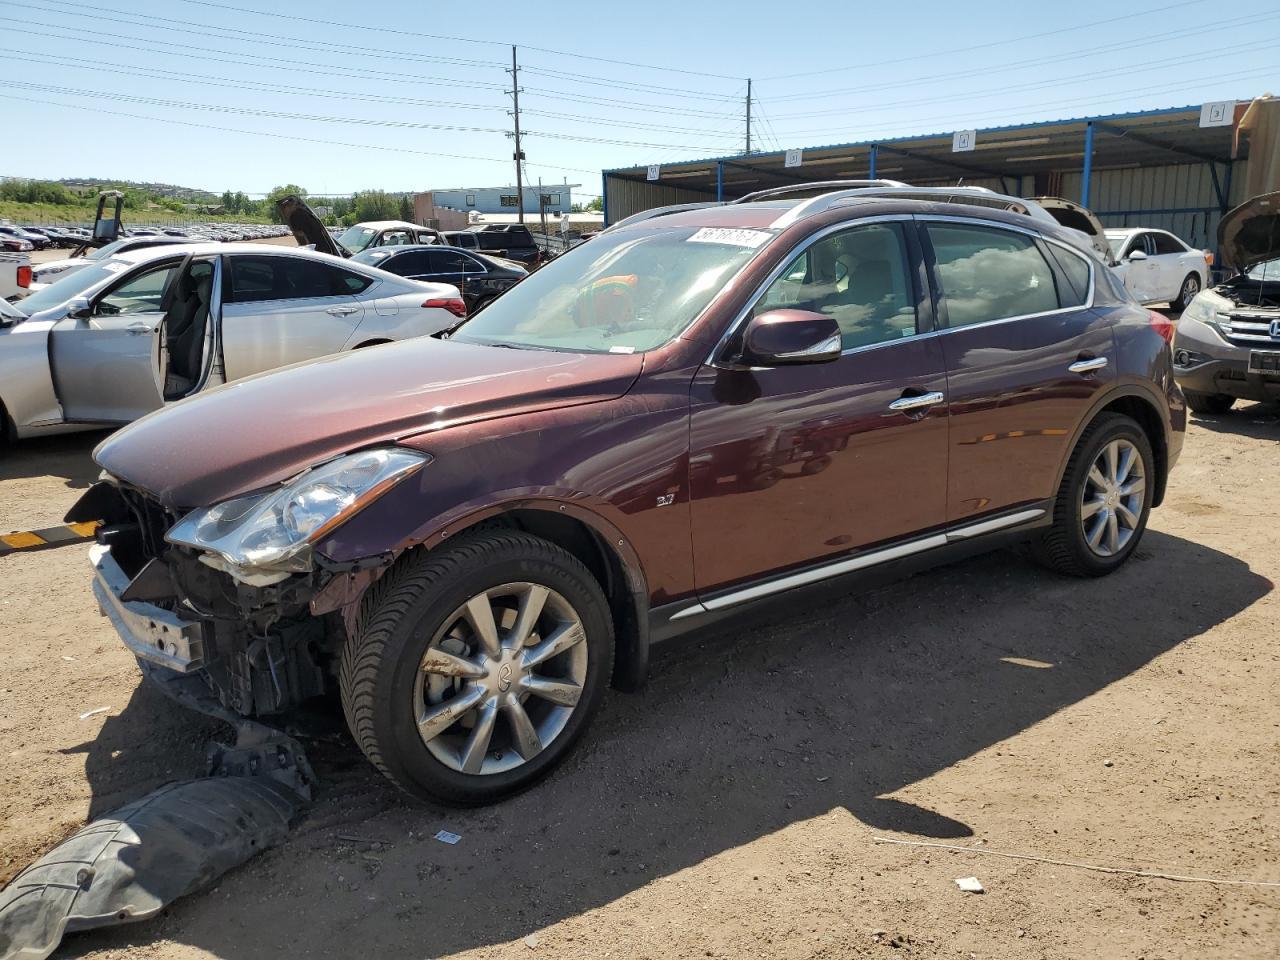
(1209, 402)
(1189, 290)
(1101, 509)
(478, 667)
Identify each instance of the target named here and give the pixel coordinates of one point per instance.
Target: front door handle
(917, 402)
(1088, 365)
(136, 329)
(340, 311)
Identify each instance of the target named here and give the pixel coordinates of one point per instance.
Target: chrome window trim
(777, 271)
(997, 225)
(836, 568)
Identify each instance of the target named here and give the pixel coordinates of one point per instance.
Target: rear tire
(421, 646)
(1209, 402)
(1101, 509)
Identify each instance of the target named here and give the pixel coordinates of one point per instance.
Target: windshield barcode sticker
(731, 237)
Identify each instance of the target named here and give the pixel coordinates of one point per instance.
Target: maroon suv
(472, 536)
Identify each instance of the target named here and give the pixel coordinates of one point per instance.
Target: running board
(860, 562)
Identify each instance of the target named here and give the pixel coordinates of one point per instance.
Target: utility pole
(519, 155)
(748, 150)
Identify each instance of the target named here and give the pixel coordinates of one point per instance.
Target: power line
(434, 36)
(1035, 62)
(320, 118)
(1006, 88)
(985, 46)
(268, 39)
(279, 136)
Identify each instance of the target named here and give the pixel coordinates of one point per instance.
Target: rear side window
(252, 279)
(449, 261)
(1166, 244)
(990, 274)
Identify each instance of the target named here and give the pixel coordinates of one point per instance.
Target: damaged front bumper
(150, 632)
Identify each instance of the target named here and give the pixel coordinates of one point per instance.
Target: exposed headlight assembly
(275, 530)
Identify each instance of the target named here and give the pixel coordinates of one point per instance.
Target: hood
(1250, 233)
(306, 226)
(259, 431)
(1075, 217)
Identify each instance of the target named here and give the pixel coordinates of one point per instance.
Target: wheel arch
(1140, 406)
(599, 545)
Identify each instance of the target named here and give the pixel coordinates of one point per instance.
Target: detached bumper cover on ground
(130, 865)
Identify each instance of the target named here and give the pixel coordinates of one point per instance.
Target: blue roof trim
(1039, 124)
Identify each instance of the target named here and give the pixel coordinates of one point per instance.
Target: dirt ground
(736, 807)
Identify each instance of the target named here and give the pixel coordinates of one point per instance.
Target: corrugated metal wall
(1134, 198)
(627, 196)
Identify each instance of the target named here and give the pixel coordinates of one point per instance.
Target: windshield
(1116, 242)
(357, 238)
(622, 293)
(1267, 270)
(73, 284)
(107, 252)
(371, 257)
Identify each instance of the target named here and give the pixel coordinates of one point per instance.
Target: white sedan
(1157, 267)
(123, 336)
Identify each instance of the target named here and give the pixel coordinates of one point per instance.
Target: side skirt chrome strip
(861, 562)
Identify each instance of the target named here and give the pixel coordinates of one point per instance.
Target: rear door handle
(917, 402)
(340, 311)
(1088, 365)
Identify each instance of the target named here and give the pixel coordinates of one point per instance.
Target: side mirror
(784, 337)
(1136, 255)
(79, 308)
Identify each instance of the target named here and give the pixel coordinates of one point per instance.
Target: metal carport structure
(1157, 168)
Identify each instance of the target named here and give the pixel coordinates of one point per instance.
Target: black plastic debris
(129, 865)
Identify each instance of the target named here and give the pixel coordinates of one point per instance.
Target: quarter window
(988, 274)
(1076, 269)
(859, 277)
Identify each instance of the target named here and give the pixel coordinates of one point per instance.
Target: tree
(290, 189)
(375, 205)
(406, 208)
(596, 205)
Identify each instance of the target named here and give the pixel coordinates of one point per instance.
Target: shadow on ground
(69, 457)
(1261, 421)
(829, 702)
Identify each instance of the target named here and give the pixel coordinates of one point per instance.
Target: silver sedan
(128, 334)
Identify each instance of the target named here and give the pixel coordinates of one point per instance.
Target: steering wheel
(609, 302)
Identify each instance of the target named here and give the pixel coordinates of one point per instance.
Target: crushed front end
(259, 648)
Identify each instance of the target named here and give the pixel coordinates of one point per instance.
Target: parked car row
(470, 536)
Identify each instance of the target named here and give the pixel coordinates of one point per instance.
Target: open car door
(105, 358)
(306, 226)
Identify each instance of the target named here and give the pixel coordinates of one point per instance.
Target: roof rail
(778, 193)
(644, 215)
(976, 196)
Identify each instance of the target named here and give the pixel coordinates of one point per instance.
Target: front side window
(859, 277)
(1164, 243)
(412, 263)
(141, 293)
(990, 274)
(397, 238)
(623, 292)
(1138, 242)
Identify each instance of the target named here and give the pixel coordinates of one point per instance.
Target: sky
(406, 96)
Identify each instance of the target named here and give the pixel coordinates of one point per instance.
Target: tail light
(454, 305)
(1162, 325)
(24, 276)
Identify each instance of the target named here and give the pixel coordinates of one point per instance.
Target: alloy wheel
(1190, 288)
(1112, 498)
(500, 678)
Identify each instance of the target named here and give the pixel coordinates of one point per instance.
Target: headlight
(1200, 309)
(276, 529)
